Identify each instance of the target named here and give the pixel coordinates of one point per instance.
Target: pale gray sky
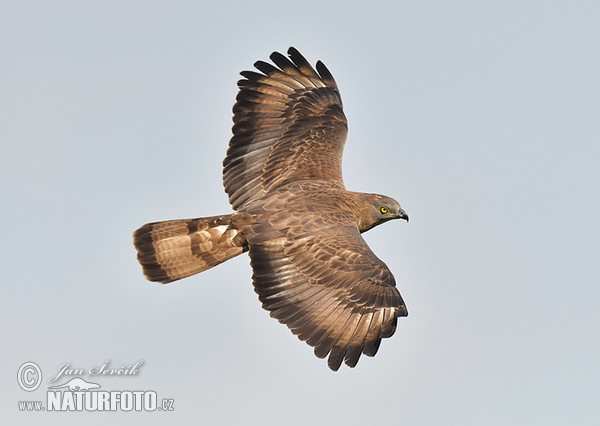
(481, 118)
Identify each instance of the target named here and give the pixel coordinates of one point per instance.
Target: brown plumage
(313, 271)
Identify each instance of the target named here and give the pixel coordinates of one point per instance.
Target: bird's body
(312, 269)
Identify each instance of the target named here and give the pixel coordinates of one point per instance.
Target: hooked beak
(402, 215)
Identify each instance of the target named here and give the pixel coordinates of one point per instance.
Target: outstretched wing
(288, 125)
(328, 287)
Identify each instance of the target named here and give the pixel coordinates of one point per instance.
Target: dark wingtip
(334, 361)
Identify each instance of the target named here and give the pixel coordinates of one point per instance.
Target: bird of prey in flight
(301, 227)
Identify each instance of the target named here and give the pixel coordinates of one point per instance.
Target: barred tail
(176, 249)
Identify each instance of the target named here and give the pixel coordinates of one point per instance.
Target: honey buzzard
(312, 269)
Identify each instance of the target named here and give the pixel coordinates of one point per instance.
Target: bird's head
(379, 209)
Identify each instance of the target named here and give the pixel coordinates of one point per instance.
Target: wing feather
(289, 125)
(356, 345)
(327, 286)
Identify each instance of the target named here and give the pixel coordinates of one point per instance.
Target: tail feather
(175, 249)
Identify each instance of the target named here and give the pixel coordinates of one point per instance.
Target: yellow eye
(383, 209)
